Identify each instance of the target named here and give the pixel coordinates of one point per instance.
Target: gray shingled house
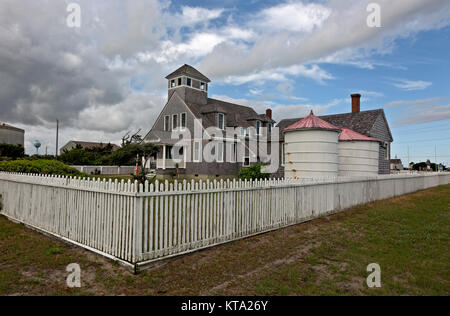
(187, 103)
(372, 123)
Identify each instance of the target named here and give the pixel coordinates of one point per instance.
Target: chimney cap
(356, 95)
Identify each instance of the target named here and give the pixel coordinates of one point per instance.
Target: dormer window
(189, 82)
(179, 81)
(202, 86)
(221, 121)
(172, 83)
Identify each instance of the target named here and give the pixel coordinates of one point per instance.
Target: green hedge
(253, 173)
(40, 167)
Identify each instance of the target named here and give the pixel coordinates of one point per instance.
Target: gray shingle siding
(381, 132)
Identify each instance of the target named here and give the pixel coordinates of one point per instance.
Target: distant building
(86, 145)
(396, 165)
(11, 135)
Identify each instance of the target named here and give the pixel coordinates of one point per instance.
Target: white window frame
(181, 121)
(223, 121)
(174, 127)
(196, 151)
(220, 151)
(167, 127)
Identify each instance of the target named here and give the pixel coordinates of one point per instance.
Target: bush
(40, 167)
(11, 151)
(253, 173)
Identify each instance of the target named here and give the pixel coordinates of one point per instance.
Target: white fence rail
(108, 170)
(139, 223)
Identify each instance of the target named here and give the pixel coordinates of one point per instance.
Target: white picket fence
(140, 223)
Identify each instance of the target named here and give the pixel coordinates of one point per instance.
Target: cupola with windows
(190, 84)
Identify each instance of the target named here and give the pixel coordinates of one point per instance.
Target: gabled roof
(349, 135)
(311, 122)
(187, 70)
(236, 115)
(361, 122)
(7, 126)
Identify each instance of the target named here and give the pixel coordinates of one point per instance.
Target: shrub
(40, 167)
(253, 173)
(11, 151)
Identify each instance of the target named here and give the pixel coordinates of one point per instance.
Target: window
(179, 81)
(189, 82)
(242, 132)
(387, 151)
(258, 127)
(196, 151)
(283, 159)
(174, 121)
(269, 127)
(233, 152)
(183, 120)
(202, 86)
(247, 132)
(172, 83)
(246, 161)
(220, 152)
(169, 152)
(167, 123)
(220, 121)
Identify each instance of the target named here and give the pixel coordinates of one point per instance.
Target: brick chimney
(269, 113)
(356, 103)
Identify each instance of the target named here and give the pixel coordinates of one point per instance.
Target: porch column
(164, 157)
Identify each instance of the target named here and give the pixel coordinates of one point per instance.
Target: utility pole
(435, 158)
(57, 137)
(409, 162)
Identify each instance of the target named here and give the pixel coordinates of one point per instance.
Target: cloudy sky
(107, 77)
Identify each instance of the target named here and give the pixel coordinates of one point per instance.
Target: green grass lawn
(407, 236)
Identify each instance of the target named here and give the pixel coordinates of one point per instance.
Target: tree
(128, 139)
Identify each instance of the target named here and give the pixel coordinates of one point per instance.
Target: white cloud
(280, 74)
(411, 85)
(344, 30)
(294, 17)
(429, 101)
(193, 15)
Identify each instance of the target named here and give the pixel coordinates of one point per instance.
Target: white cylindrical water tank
(311, 149)
(358, 154)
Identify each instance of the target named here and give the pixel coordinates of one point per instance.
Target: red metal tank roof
(311, 122)
(348, 135)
